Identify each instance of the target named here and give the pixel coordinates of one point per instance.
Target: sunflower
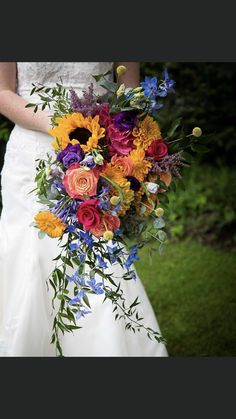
(50, 224)
(75, 128)
(141, 166)
(146, 132)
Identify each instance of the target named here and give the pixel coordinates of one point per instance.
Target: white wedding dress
(26, 261)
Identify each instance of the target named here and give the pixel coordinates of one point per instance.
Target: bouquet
(103, 191)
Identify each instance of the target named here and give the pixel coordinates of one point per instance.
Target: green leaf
(199, 148)
(30, 105)
(67, 261)
(135, 303)
(86, 300)
(174, 127)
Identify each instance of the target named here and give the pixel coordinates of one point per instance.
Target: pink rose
(104, 116)
(88, 214)
(80, 182)
(121, 142)
(108, 222)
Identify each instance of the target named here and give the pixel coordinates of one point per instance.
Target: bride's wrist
(46, 121)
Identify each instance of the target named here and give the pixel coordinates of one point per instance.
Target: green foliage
(206, 208)
(193, 292)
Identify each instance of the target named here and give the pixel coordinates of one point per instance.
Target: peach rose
(124, 163)
(108, 222)
(80, 182)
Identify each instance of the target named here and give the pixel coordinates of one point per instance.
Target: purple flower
(57, 186)
(89, 162)
(125, 120)
(75, 149)
(87, 105)
(70, 158)
(134, 183)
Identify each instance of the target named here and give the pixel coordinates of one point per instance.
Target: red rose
(158, 149)
(88, 214)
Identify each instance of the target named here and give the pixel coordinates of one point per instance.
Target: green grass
(193, 291)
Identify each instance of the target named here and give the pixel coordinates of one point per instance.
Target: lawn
(193, 291)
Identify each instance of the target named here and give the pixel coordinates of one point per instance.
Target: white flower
(152, 187)
(98, 159)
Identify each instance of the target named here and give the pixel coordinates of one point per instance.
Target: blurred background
(193, 283)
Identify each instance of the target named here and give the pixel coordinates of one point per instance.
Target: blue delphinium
(73, 277)
(97, 287)
(133, 255)
(77, 298)
(166, 86)
(87, 239)
(101, 263)
(150, 87)
(82, 313)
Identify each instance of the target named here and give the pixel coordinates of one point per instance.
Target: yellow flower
(114, 173)
(141, 166)
(75, 128)
(114, 200)
(121, 70)
(50, 224)
(159, 212)
(128, 196)
(197, 132)
(146, 132)
(108, 235)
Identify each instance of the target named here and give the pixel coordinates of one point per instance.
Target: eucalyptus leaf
(161, 235)
(159, 222)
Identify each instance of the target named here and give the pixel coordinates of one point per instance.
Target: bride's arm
(132, 76)
(12, 106)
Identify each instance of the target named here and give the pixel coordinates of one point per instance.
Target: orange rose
(108, 222)
(125, 164)
(80, 182)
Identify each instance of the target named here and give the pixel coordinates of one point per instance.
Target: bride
(26, 261)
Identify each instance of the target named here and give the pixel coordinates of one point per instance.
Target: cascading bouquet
(101, 189)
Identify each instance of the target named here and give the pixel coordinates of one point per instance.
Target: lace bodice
(76, 75)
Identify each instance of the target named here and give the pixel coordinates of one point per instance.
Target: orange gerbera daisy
(146, 132)
(75, 128)
(114, 173)
(50, 224)
(141, 166)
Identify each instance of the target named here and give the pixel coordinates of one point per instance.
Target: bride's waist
(22, 139)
